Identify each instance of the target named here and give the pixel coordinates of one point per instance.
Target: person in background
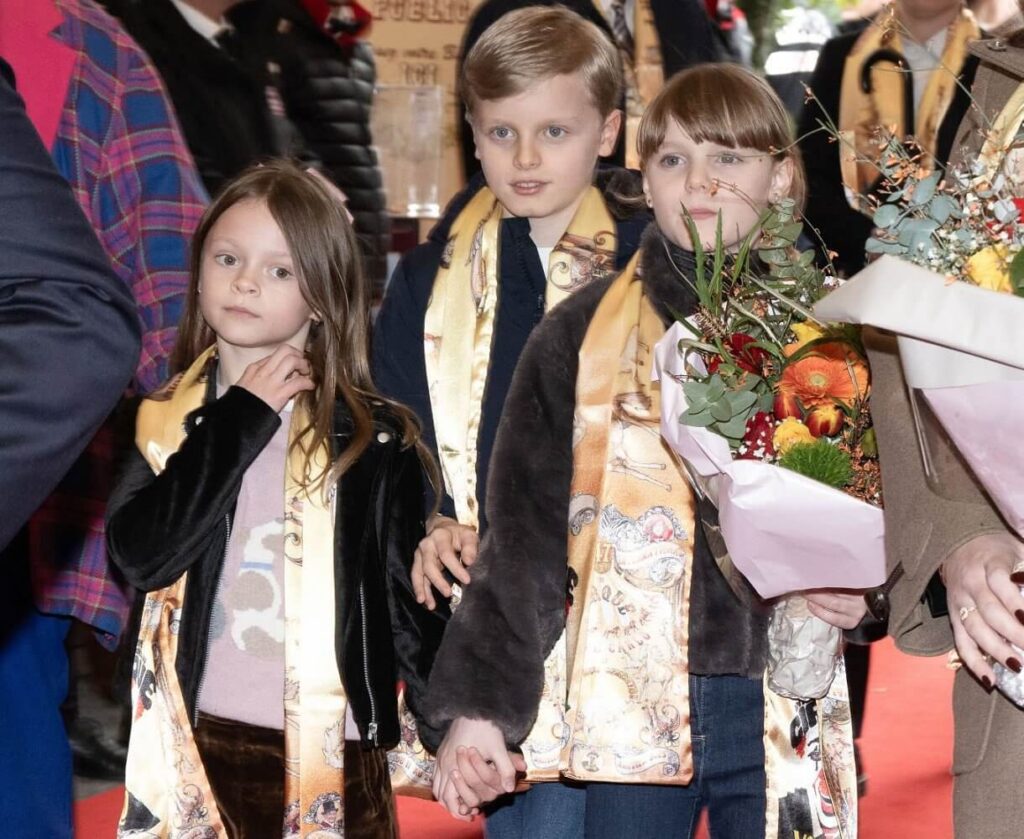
(226, 99)
(69, 340)
(925, 96)
(327, 75)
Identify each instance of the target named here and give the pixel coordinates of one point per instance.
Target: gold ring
(965, 611)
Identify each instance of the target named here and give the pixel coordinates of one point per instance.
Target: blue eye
(226, 259)
(556, 132)
(729, 159)
(670, 161)
(501, 133)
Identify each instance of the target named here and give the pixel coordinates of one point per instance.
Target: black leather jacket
(160, 527)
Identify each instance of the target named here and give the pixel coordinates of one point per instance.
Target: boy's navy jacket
(399, 368)
(156, 530)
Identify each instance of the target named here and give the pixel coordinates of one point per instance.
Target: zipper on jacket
(206, 654)
(371, 730)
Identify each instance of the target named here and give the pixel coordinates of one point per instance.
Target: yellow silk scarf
(622, 715)
(861, 114)
(643, 70)
(166, 785)
(459, 323)
(1000, 140)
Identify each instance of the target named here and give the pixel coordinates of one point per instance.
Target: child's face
(538, 148)
(709, 179)
(248, 291)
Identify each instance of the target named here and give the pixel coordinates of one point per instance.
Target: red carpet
(906, 747)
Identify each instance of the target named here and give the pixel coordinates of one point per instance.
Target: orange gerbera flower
(835, 375)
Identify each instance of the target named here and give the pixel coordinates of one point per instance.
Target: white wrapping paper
(784, 532)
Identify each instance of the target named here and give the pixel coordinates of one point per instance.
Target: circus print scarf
(167, 792)
(459, 323)
(615, 706)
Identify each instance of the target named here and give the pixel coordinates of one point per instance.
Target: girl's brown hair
(328, 266)
(727, 105)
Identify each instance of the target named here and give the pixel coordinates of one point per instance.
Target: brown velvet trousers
(245, 767)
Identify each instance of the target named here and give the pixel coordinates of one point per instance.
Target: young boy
(541, 89)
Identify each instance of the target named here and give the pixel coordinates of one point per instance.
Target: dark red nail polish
(1013, 664)
(986, 682)
(1020, 615)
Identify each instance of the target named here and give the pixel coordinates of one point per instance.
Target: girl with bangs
(635, 670)
(270, 512)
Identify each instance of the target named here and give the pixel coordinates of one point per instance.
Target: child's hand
(447, 544)
(839, 607)
(474, 767)
(278, 377)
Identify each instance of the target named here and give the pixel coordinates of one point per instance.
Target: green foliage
(820, 461)
(712, 405)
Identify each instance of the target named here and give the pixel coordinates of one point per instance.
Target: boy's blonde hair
(537, 43)
(724, 104)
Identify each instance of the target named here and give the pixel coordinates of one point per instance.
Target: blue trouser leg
(35, 758)
(727, 725)
(545, 811)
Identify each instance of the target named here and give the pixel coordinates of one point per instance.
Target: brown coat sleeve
(922, 528)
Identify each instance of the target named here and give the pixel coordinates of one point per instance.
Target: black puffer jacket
(160, 527)
(328, 93)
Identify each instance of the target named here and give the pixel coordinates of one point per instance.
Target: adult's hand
(279, 377)
(474, 767)
(986, 607)
(447, 544)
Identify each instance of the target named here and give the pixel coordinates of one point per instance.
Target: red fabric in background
(44, 64)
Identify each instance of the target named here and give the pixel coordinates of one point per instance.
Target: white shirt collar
(206, 27)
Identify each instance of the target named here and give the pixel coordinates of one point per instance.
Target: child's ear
(647, 191)
(782, 180)
(610, 132)
(472, 127)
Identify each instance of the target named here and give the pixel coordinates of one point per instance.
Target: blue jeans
(35, 758)
(545, 811)
(727, 727)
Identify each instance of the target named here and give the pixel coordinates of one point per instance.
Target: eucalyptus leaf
(874, 245)
(716, 389)
(941, 208)
(701, 420)
(925, 189)
(741, 401)
(722, 410)
(886, 216)
(734, 429)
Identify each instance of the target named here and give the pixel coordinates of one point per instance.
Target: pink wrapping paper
(784, 532)
(984, 421)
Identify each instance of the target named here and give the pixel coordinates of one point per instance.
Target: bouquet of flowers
(769, 412)
(949, 283)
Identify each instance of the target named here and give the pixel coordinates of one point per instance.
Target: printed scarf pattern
(167, 792)
(459, 323)
(862, 114)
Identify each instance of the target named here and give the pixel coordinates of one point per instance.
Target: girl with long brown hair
(269, 512)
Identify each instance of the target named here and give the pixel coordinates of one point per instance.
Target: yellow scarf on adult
(459, 323)
(165, 782)
(862, 115)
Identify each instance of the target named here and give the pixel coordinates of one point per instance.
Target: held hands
(447, 544)
(844, 609)
(278, 377)
(986, 608)
(474, 767)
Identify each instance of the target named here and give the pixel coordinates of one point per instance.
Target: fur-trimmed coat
(491, 661)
